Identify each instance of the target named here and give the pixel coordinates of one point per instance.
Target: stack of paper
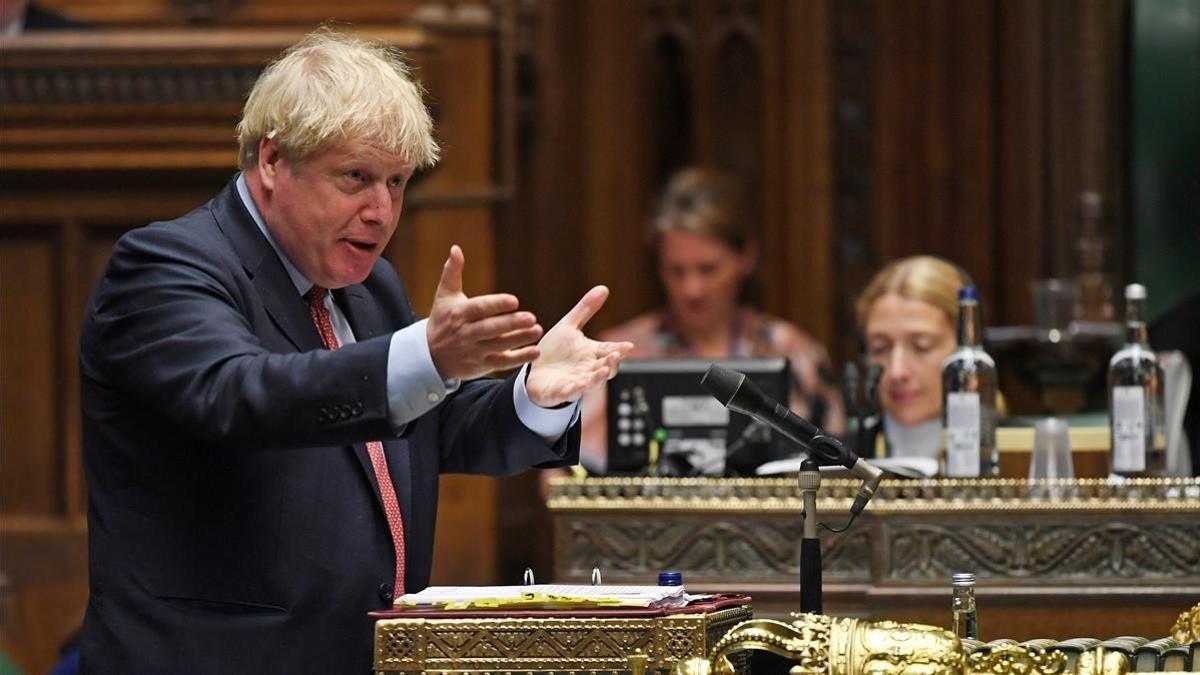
(905, 467)
(544, 596)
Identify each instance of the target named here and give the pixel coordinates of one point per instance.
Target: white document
(463, 597)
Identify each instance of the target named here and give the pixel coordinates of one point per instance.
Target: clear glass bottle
(969, 397)
(1135, 397)
(966, 621)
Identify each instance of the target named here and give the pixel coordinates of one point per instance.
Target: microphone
(874, 375)
(735, 391)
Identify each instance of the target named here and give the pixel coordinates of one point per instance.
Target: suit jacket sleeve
(176, 326)
(481, 433)
(179, 325)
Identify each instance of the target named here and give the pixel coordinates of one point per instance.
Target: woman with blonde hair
(706, 253)
(908, 315)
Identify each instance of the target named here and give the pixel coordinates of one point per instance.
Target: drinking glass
(1050, 465)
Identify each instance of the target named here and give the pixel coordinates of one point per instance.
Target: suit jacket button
(385, 592)
(357, 409)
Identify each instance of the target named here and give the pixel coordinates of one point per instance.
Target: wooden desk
(1104, 560)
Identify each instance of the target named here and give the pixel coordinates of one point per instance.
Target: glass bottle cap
(1135, 292)
(963, 579)
(968, 293)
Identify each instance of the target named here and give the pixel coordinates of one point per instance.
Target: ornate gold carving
(637, 663)
(541, 644)
(805, 643)
(1187, 627)
(729, 549)
(820, 645)
(1016, 660)
(745, 530)
(692, 666)
(890, 647)
(700, 495)
(1091, 550)
(1100, 661)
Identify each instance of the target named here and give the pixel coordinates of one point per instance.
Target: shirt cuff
(549, 423)
(413, 384)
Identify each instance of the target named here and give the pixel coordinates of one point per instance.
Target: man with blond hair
(265, 419)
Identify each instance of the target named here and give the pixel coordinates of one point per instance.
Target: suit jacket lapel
(285, 306)
(289, 311)
(355, 302)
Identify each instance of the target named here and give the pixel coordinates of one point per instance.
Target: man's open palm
(570, 362)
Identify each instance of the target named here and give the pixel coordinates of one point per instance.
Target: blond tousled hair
(331, 86)
(923, 277)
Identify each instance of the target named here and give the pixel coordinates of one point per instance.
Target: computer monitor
(661, 421)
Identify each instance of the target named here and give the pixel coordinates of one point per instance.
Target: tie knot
(316, 296)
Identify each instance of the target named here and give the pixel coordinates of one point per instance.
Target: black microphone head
(874, 375)
(735, 391)
(722, 383)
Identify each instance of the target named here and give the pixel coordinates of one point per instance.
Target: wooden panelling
(95, 144)
(89, 101)
(934, 144)
(615, 190)
(159, 13)
(797, 240)
(546, 214)
(29, 340)
(466, 550)
(45, 562)
(1022, 245)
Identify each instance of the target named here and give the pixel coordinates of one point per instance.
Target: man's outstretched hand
(471, 337)
(570, 362)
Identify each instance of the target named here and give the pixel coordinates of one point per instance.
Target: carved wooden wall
(869, 129)
(159, 14)
(111, 129)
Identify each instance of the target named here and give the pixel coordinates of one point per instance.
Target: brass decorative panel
(602, 645)
(1115, 549)
(717, 548)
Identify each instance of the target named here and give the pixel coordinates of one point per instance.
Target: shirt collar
(300, 281)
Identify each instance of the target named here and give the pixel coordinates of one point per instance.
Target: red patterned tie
(391, 506)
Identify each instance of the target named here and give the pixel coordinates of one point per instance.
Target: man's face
(910, 339)
(702, 277)
(334, 212)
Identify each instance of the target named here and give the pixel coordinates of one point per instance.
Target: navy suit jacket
(235, 524)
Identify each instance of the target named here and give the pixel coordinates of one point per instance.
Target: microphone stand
(810, 543)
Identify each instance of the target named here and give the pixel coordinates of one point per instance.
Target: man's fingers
(613, 352)
(483, 306)
(586, 308)
(512, 358)
(512, 339)
(451, 281)
(496, 326)
(609, 348)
